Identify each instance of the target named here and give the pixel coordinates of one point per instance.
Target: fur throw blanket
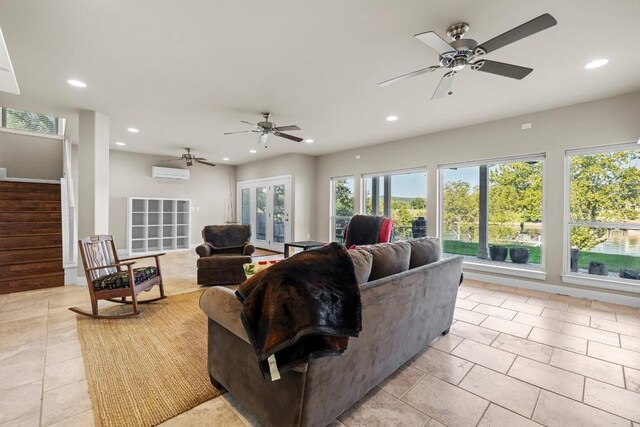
(302, 308)
(362, 230)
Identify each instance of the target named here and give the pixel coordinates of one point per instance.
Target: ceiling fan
(190, 159)
(267, 128)
(456, 55)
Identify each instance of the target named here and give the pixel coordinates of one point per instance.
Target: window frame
(332, 203)
(60, 125)
(577, 278)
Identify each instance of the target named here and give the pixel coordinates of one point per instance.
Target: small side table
(304, 244)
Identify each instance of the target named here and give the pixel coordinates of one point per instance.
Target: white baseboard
(554, 289)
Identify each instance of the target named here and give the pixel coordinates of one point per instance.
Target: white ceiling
(185, 72)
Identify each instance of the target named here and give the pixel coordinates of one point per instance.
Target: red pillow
(384, 236)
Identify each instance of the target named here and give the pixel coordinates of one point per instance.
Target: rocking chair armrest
(120, 264)
(144, 256)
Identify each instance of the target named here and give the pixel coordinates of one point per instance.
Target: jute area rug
(147, 369)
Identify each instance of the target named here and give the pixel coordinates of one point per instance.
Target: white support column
(93, 175)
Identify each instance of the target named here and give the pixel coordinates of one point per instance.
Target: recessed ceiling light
(76, 83)
(308, 141)
(253, 151)
(392, 118)
(120, 143)
(133, 130)
(596, 64)
(226, 159)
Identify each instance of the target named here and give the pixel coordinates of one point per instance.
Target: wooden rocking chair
(109, 278)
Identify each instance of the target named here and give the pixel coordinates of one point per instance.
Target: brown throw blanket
(302, 308)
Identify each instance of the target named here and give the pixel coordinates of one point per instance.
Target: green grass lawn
(614, 262)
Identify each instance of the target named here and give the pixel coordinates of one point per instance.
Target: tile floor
(514, 357)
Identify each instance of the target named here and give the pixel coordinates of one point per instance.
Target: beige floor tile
(589, 333)
(542, 302)
(555, 339)
(588, 366)
(468, 316)
(617, 355)
(615, 308)
(64, 402)
(630, 343)
(465, 304)
(632, 379)
(612, 399)
(63, 373)
(434, 423)
(446, 343)
(503, 390)
(557, 411)
(485, 299)
(620, 328)
(446, 403)
(61, 351)
(214, 412)
(484, 355)
(19, 401)
(21, 364)
(84, 419)
(631, 319)
(473, 332)
(22, 311)
(28, 420)
(401, 381)
(580, 302)
(442, 365)
(507, 327)
(463, 294)
(19, 332)
(538, 321)
(548, 377)
(522, 347)
(522, 307)
(565, 316)
(497, 416)
(380, 408)
(501, 313)
(63, 334)
(510, 296)
(532, 293)
(591, 312)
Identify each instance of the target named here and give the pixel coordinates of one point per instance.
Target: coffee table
(304, 244)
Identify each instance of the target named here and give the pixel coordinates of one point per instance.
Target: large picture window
(604, 212)
(342, 206)
(492, 212)
(401, 196)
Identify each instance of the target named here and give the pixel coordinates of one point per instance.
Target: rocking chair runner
(109, 278)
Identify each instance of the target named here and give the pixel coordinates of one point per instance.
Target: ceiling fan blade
(435, 42)
(502, 69)
(263, 138)
(444, 87)
(408, 75)
(249, 123)
(527, 29)
(205, 163)
(290, 127)
(198, 159)
(171, 160)
(287, 136)
(240, 131)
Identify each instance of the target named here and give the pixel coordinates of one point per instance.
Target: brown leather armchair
(225, 249)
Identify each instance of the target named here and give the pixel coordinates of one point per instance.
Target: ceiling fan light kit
(266, 128)
(456, 55)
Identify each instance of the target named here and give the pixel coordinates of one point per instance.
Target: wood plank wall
(30, 236)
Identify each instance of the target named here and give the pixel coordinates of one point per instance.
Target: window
(401, 196)
(492, 211)
(246, 206)
(30, 122)
(604, 212)
(342, 202)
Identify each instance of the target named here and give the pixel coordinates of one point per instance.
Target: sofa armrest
(248, 249)
(203, 250)
(222, 306)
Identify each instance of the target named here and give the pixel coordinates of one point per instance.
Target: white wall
(608, 121)
(30, 156)
(130, 176)
(302, 169)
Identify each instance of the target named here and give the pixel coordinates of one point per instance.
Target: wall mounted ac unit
(170, 173)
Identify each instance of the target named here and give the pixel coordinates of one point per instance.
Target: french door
(266, 205)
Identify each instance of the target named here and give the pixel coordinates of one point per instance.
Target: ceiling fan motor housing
(464, 50)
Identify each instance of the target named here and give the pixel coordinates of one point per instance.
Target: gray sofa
(408, 296)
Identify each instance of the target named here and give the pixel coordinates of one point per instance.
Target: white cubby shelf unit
(156, 225)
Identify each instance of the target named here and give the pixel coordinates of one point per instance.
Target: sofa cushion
(362, 261)
(120, 279)
(388, 258)
(424, 250)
